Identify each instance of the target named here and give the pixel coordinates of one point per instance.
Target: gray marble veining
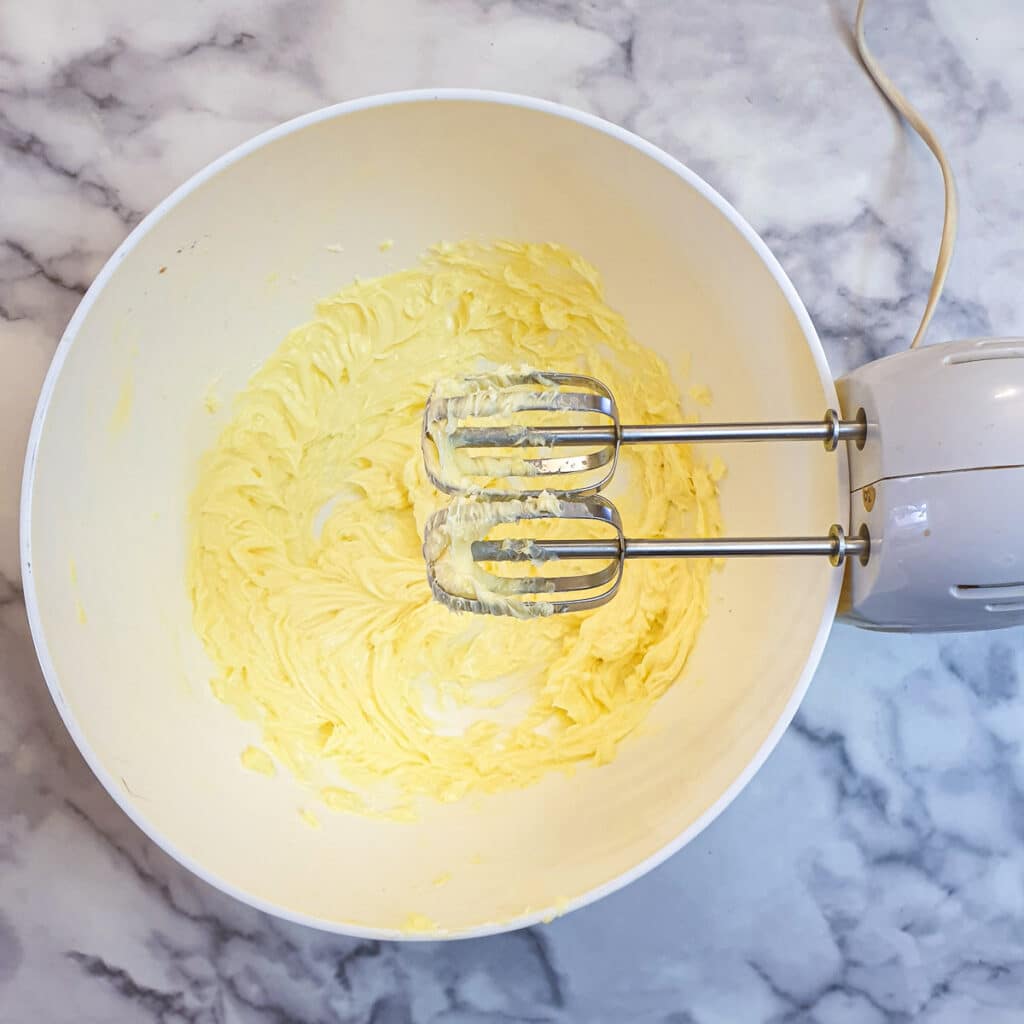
(874, 869)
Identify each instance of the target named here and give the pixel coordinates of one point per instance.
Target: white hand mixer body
(939, 483)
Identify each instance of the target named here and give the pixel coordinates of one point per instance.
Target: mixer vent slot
(996, 348)
(998, 597)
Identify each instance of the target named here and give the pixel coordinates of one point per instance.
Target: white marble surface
(874, 870)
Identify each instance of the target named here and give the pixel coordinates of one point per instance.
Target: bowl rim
(68, 338)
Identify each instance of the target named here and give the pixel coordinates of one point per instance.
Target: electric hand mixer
(936, 452)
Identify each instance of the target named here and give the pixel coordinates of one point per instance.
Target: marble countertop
(874, 869)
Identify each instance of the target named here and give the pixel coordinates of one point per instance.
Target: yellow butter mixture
(306, 570)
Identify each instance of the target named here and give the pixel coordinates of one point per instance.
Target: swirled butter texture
(306, 571)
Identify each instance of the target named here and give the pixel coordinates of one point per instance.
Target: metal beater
(473, 447)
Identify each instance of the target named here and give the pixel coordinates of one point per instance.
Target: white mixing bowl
(202, 291)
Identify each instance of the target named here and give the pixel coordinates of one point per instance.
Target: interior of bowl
(190, 307)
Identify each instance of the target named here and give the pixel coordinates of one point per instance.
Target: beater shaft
(835, 545)
(828, 430)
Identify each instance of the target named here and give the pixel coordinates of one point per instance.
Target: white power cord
(914, 119)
